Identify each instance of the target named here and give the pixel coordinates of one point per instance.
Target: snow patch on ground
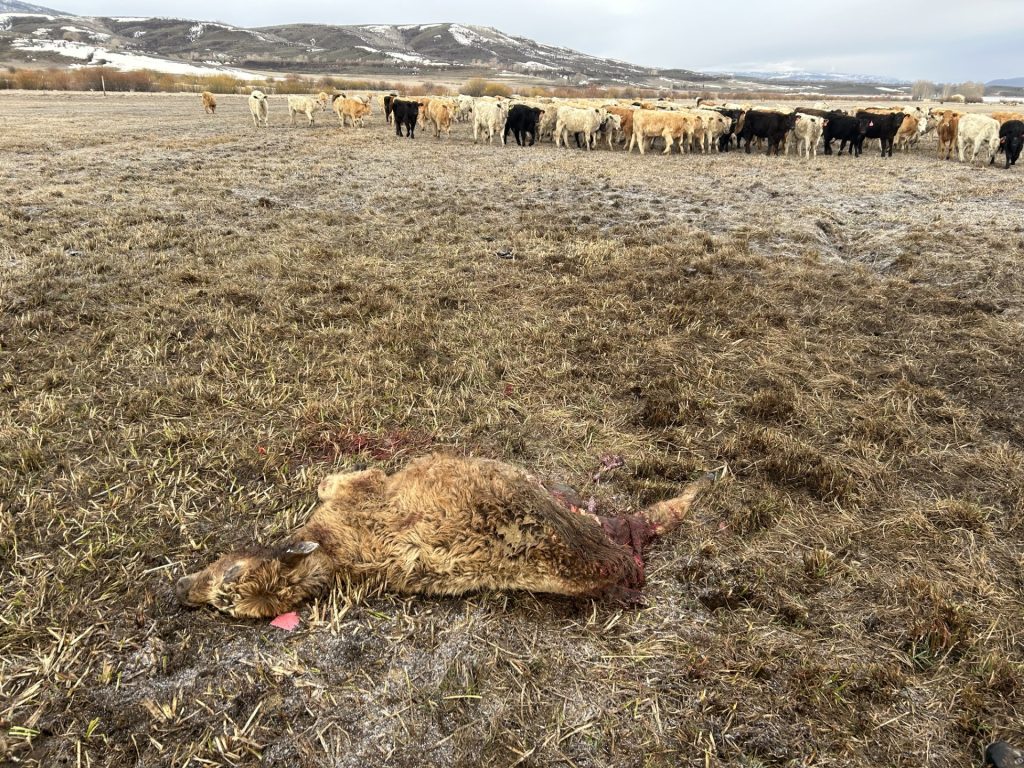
(126, 62)
(463, 36)
(6, 17)
(101, 36)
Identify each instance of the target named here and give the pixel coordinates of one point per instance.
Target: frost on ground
(199, 321)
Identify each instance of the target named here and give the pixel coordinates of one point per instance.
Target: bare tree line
(926, 90)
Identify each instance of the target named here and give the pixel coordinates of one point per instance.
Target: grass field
(198, 321)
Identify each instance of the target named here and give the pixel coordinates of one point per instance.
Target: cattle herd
(702, 126)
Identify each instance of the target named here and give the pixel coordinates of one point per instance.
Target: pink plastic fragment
(287, 621)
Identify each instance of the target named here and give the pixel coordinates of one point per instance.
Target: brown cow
(948, 126)
(444, 525)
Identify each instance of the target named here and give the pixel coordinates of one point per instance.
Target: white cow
(258, 108)
(806, 134)
(306, 105)
(716, 125)
(608, 130)
(546, 125)
(977, 130)
(464, 109)
(489, 116)
(573, 120)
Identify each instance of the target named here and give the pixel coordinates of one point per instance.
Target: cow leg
(669, 141)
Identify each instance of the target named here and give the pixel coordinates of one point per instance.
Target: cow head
(258, 583)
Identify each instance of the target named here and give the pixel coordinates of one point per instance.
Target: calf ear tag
(287, 621)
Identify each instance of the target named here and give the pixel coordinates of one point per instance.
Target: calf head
(258, 583)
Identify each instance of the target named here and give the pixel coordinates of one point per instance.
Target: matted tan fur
(442, 526)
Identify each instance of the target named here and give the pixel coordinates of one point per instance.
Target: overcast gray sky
(947, 40)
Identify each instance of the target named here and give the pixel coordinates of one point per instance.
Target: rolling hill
(35, 36)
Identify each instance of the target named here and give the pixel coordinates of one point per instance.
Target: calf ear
(232, 573)
(292, 553)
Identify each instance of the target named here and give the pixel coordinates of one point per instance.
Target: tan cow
(1005, 117)
(671, 126)
(209, 103)
(351, 111)
(625, 115)
(441, 114)
(444, 525)
(909, 133)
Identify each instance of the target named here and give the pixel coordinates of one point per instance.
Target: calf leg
(667, 135)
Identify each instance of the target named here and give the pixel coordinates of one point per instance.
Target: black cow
(882, 127)
(522, 120)
(389, 101)
(771, 126)
(827, 114)
(1011, 139)
(725, 140)
(405, 113)
(847, 130)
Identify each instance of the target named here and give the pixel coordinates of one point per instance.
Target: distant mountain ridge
(38, 36)
(796, 75)
(372, 50)
(1012, 82)
(13, 6)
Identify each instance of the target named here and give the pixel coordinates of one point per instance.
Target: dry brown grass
(197, 321)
